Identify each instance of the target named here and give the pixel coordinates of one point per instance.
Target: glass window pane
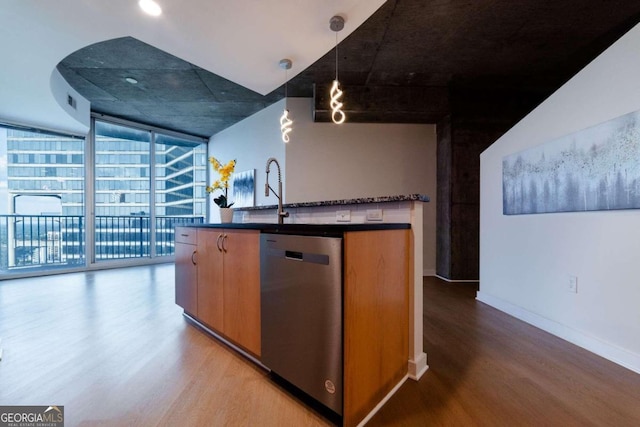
(180, 175)
(41, 201)
(122, 192)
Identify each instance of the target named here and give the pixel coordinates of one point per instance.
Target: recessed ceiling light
(131, 80)
(150, 7)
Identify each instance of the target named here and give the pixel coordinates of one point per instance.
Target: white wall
(324, 161)
(252, 142)
(526, 260)
(356, 159)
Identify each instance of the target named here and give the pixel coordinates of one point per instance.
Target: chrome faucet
(281, 213)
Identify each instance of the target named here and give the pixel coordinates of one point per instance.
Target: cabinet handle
(218, 243)
(193, 261)
(224, 239)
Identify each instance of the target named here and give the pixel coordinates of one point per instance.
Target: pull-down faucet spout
(281, 213)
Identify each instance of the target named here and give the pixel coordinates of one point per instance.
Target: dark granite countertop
(381, 199)
(306, 229)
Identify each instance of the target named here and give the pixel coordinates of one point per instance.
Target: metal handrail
(54, 241)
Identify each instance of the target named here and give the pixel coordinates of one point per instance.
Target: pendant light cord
(285, 121)
(336, 24)
(336, 55)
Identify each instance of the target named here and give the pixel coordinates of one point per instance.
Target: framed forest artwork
(597, 168)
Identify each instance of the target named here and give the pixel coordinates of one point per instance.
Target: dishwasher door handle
(293, 255)
(314, 258)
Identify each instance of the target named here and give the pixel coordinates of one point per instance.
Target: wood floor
(112, 347)
(489, 369)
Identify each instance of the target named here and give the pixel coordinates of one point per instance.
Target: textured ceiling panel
(405, 44)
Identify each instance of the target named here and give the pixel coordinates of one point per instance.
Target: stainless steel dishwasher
(301, 310)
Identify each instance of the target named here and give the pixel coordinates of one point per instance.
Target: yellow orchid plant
(221, 183)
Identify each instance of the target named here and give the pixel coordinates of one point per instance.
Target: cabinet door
(242, 288)
(210, 278)
(186, 278)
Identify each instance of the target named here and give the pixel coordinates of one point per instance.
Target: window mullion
(152, 195)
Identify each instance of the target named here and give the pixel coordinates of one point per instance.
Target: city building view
(133, 188)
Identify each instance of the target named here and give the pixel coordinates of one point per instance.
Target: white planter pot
(226, 215)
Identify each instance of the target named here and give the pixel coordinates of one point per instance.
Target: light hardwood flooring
(112, 347)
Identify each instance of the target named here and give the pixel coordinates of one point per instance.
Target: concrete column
(479, 116)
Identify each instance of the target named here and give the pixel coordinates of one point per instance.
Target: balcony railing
(58, 241)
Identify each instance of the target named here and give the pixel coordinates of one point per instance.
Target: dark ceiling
(408, 56)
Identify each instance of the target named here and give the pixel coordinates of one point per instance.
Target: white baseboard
(609, 351)
(457, 281)
(418, 366)
(429, 272)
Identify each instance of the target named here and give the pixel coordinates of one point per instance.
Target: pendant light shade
(285, 121)
(285, 125)
(337, 115)
(336, 23)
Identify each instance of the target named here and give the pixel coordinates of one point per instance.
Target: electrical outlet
(573, 284)
(374, 214)
(343, 216)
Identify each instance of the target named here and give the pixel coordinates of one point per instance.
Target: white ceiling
(240, 40)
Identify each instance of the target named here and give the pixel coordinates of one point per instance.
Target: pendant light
(285, 121)
(336, 23)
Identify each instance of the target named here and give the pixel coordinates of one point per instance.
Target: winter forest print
(594, 169)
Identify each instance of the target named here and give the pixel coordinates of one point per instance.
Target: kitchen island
(218, 285)
(403, 208)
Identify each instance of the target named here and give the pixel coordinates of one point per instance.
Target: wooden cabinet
(223, 282)
(242, 288)
(218, 283)
(186, 269)
(210, 277)
(376, 318)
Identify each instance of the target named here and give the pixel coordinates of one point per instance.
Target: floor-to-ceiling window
(42, 189)
(139, 182)
(180, 181)
(136, 209)
(122, 192)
